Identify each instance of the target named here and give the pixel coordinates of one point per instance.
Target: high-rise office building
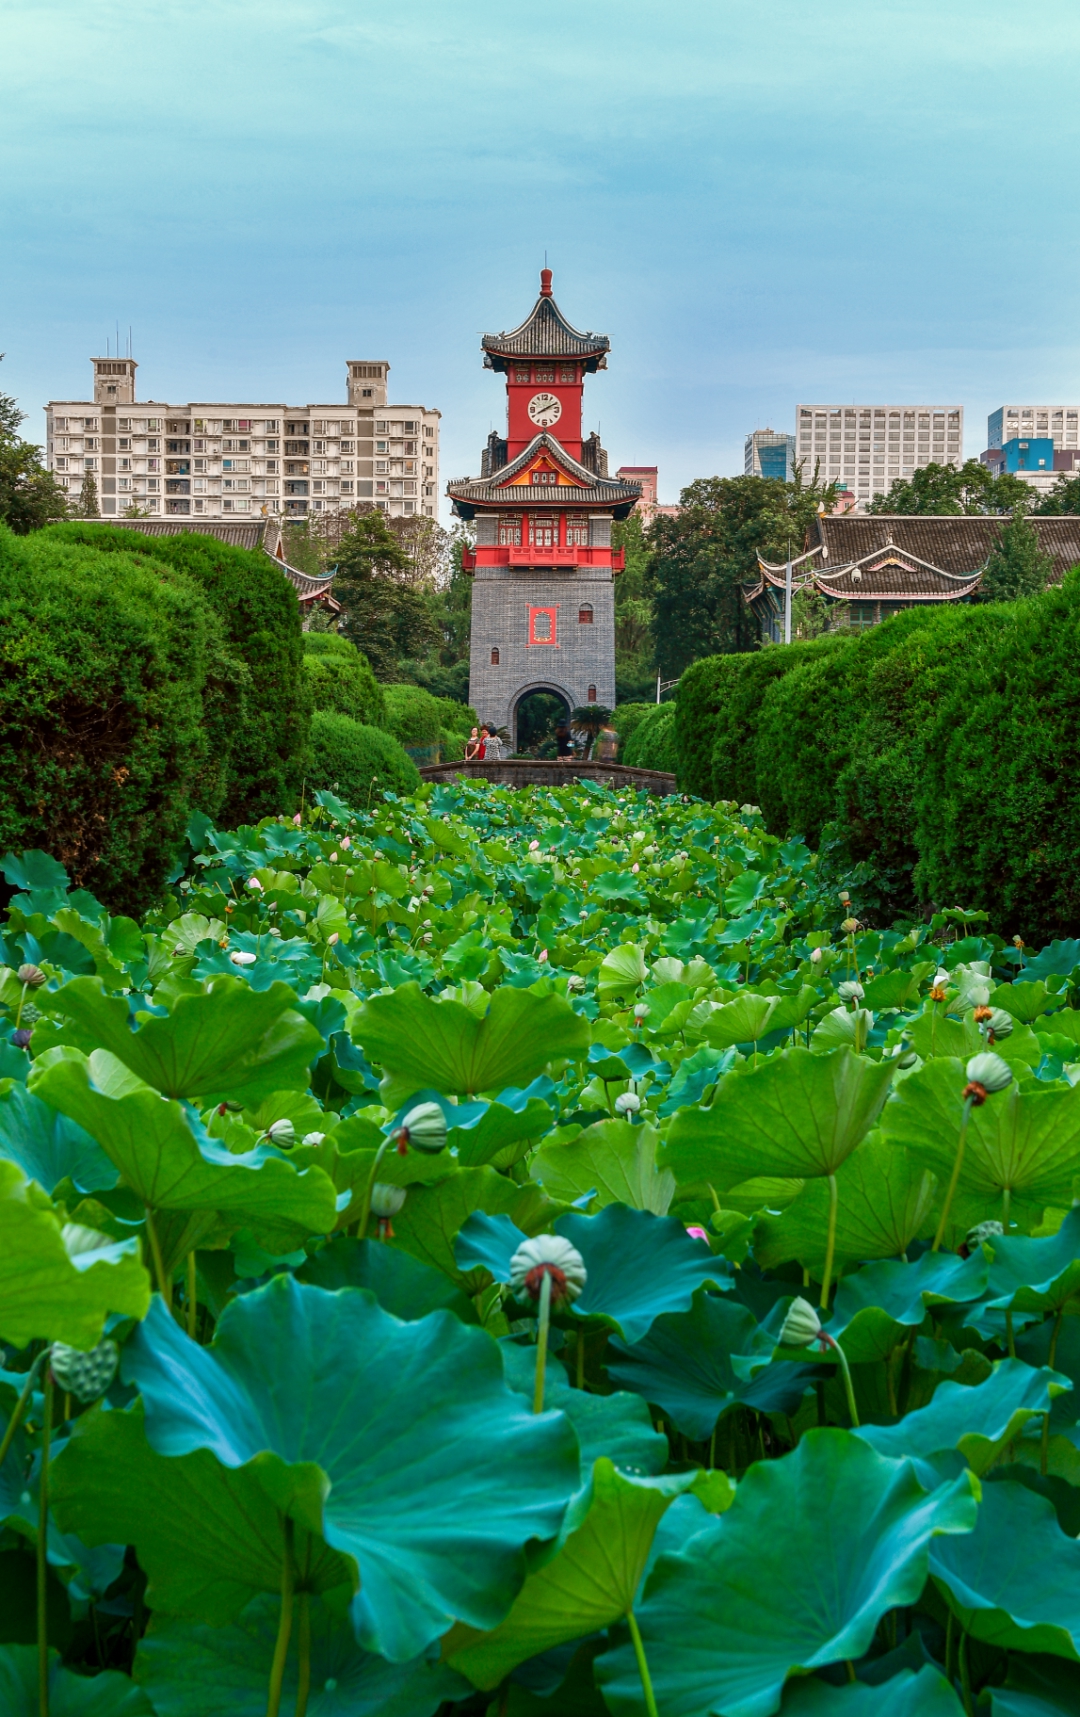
(220, 461)
(769, 454)
(865, 448)
(1056, 423)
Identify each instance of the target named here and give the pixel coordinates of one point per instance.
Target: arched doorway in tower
(537, 714)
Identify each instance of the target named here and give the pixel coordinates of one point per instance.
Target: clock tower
(543, 602)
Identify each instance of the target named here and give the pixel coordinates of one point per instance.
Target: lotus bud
(32, 976)
(255, 884)
(297, 819)
(333, 858)
(627, 1103)
(542, 956)
(84, 1375)
(313, 1138)
(346, 842)
(641, 1010)
(985, 1074)
(281, 1133)
(941, 976)
(21, 1038)
(376, 854)
(333, 939)
(635, 868)
(533, 846)
(816, 956)
(802, 1324)
(424, 1128)
(548, 1255)
(697, 1233)
(998, 1023)
(907, 1058)
(242, 959)
(850, 991)
(982, 1231)
(843, 897)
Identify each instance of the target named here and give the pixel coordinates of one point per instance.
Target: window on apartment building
(61, 464)
(410, 426)
(429, 429)
(381, 428)
(346, 487)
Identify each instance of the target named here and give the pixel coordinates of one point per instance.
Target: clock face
(545, 409)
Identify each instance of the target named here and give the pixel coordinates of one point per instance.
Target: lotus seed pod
(627, 1103)
(982, 1231)
(424, 1128)
(802, 1324)
(281, 1133)
(386, 1200)
(850, 991)
(999, 1024)
(548, 1255)
(849, 926)
(84, 1375)
(988, 1071)
(32, 976)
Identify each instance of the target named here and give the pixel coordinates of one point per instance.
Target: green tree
(1017, 565)
(30, 496)
(950, 489)
(87, 504)
(702, 558)
(634, 648)
(1064, 497)
(386, 613)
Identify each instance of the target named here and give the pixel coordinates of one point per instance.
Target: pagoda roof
(585, 490)
(956, 543)
(545, 333)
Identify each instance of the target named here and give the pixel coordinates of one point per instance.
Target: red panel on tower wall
(543, 626)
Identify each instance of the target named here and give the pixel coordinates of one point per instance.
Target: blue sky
(759, 203)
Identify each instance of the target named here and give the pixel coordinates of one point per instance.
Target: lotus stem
(1052, 1355)
(542, 1341)
(643, 1664)
(22, 999)
(365, 1208)
(43, 1553)
(579, 1359)
(281, 1646)
(303, 1645)
(164, 1282)
(21, 1405)
(957, 1166)
(192, 1295)
(1044, 1447)
(830, 1244)
(845, 1368)
(1010, 1337)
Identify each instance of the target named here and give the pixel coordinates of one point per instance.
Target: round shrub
(451, 747)
(652, 745)
(457, 717)
(340, 678)
(260, 617)
(412, 715)
(349, 757)
(626, 719)
(115, 697)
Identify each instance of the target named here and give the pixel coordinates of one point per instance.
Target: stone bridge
(553, 772)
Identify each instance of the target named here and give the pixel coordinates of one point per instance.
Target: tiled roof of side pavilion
(545, 333)
(500, 490)
(957, 544)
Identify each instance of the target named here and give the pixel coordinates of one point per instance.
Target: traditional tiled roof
(247, 533)
(588, 490)
(956, 544)
(545, 333)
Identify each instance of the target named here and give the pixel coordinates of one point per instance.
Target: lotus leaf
(978, 1421)
(442, 1044)
(1038, 1687)
(49, 1147)
(1016, 1581)
(613, 1159)
(70, 1695)
(884, 1203)
(925, 1693)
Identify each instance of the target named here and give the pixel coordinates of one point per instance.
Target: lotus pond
(521, 1252)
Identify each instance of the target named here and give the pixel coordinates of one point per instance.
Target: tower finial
(545, 283)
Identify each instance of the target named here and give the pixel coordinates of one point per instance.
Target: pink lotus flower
(533, 846)
(542, 956)
(297, 819)
(696, 1233)
(635, 868)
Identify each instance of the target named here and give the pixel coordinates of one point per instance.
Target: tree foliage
(951, 489)
(1017, 566)
(30, 496)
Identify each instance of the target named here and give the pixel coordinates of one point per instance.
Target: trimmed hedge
(457, 717)
(116, 699)
(652, 744)
(937, 751)
(260, 615)
(339, 677)
(626, 718)
(413, 716)
(349, 757)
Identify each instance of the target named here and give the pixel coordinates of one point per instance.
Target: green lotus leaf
(432, 1216)
(1036, 1275)
(1038, 1687)
(445, 1046)
(193, 1670)
(231, 1042)
(684, 1366)
(934, 1036)
(588, 1585)
(402, 1285)
(498, 1128)
(891, 990)
(70, 1695)
(168, 1159)
(638, 1265)
(798, 1573)
(792, 1008)
(740, 895)
(1023, 1142)
(977, 1421)
(797, 1115)
(744, 1020)
(434, 1477)
(924, 1693)
(614, 1159)
(57, 1291)
(884, 1203)
(622, 971)
(1024, 1000)
(877, 1307)
(209, 1537)
(1015, 1583)
(49, 1147)
(616, 1426)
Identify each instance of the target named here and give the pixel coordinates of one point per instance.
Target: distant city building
(865, 448)
(649, 478)
(1033, 442)
(220, 461)
(769, 454)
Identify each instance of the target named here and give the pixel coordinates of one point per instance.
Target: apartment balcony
(542, 558)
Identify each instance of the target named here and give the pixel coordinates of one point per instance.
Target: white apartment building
(220, 461)
(1056, 423)
(865, 448)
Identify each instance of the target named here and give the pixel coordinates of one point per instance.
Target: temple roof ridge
(545, 333)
